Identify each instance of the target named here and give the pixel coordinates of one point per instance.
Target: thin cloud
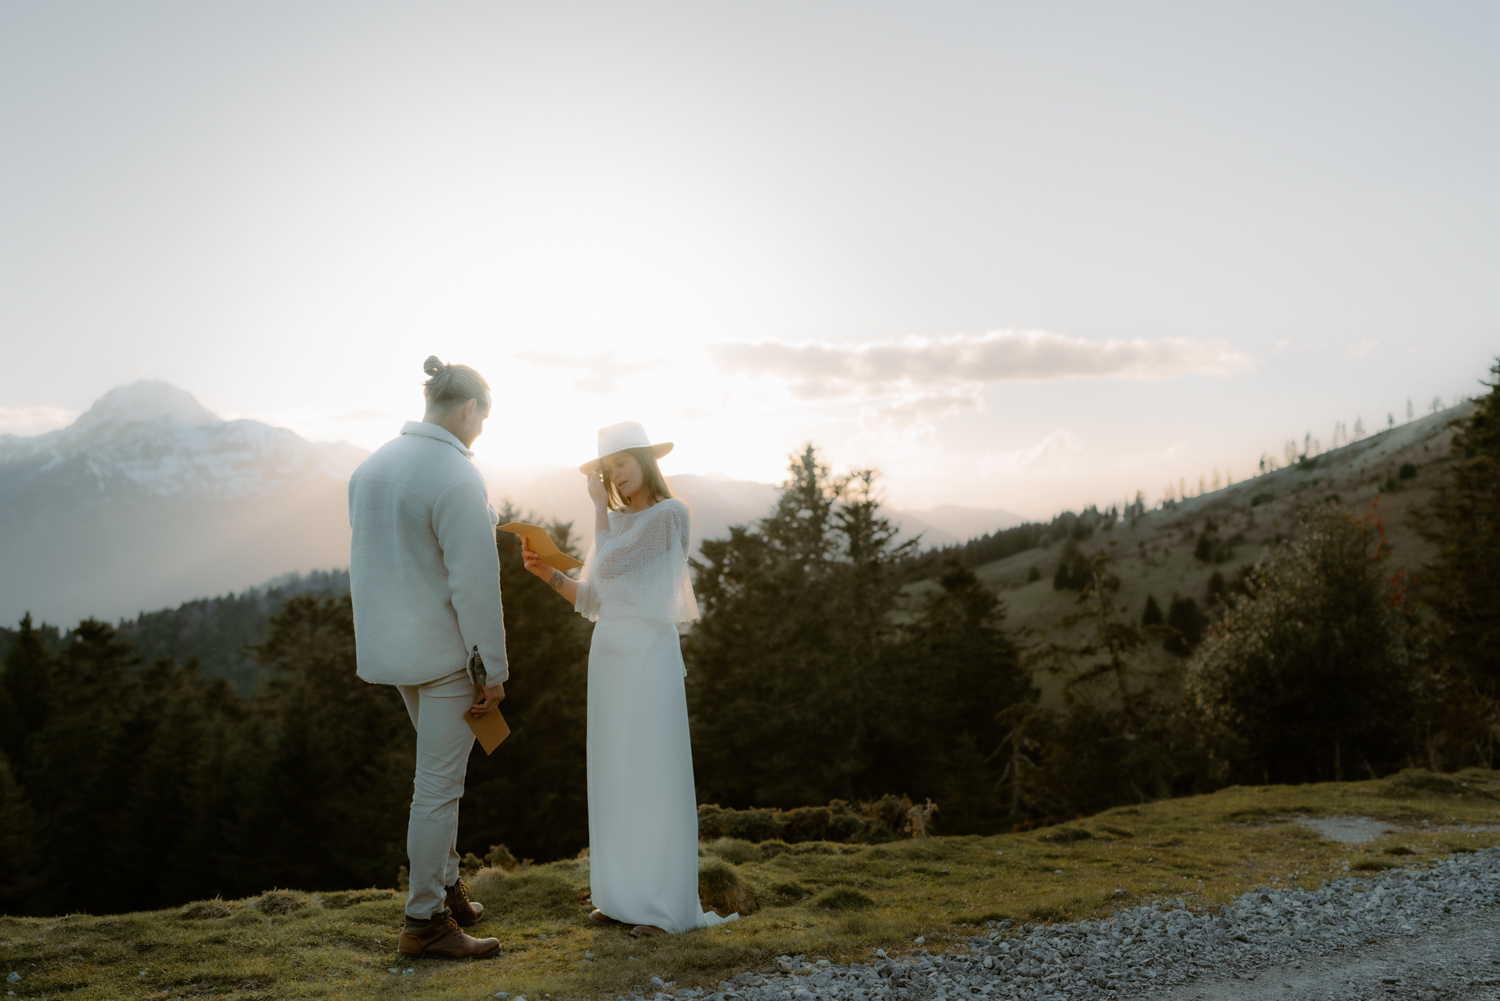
(604, 370)
(823, 371)
(923, 409)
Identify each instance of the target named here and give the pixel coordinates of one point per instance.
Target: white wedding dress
(643, 810)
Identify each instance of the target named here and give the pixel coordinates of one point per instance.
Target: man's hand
(488, 699)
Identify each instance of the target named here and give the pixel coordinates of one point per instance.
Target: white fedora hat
(619, 437)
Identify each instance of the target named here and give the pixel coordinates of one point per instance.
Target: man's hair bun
(453, 384)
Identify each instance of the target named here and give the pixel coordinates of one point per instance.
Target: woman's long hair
(652, 481)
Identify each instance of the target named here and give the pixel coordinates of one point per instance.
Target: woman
(643, 811)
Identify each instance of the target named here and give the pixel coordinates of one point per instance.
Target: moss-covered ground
(820, 899)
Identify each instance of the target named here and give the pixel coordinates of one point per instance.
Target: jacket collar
(436, 434)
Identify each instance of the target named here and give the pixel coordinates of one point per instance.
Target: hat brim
(592, 466)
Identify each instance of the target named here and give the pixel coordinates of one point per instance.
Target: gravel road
(1413, 933)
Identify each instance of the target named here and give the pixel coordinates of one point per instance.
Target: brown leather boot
(465, 911)
(441, 938)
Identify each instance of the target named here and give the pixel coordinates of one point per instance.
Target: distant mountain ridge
(149, 500)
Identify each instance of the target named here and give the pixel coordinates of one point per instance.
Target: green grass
(821, 899)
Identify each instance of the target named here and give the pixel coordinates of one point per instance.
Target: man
(425, 579)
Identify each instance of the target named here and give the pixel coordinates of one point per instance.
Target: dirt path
(1459, 961)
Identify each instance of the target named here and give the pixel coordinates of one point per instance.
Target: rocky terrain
(1411, 934)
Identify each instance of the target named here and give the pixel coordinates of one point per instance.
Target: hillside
(820, 900)
(1154, 553)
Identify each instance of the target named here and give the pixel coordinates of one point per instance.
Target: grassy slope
(1204, 849)
(1155, 555)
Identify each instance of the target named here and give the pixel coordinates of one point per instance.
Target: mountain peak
(149, 400)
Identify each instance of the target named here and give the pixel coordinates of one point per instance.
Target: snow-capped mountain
(149, 499)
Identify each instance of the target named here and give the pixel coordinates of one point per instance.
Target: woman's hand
(533, 561)
(488, 699)
(556, 579)
(597, 493)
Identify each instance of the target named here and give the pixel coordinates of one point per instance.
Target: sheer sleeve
(619, 557)
(639, 566)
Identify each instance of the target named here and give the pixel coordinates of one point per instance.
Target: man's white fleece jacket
(423, 570)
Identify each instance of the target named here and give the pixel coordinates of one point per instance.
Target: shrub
(721, 890)
(500, 857)
(852, 823)
(1312, 676)
(1407, 471)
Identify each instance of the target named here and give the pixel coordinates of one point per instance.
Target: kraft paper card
(490, 728)
(542, 545)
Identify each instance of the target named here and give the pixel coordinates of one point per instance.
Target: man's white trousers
(443, 743)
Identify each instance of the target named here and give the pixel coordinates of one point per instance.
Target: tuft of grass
(843, 898)
(275, 902)
(207, 910)
(348, 898)
(821, 899)
(737, 850)
(1064, 835)
(1419, 782)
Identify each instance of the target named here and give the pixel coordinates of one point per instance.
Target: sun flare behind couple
(425, 581)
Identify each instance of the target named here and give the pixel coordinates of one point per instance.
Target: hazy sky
(1019, 256)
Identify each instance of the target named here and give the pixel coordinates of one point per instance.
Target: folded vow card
(490, 728)
(542, 545)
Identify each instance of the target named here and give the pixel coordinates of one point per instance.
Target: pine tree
(325, 762)
(27, 685)
(78, 768)
(783, 671)
(1152, 615)
(1187, 625)
(953, 673)
(20, 875)
(1117, 738)
(1464, 586)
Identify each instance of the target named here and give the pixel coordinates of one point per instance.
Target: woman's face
(624, 471)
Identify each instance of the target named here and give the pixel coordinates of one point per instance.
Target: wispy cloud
(28, 421)
(917, 364)
(923, 408)
(604, 370)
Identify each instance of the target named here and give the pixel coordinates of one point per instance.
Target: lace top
(639, 566)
